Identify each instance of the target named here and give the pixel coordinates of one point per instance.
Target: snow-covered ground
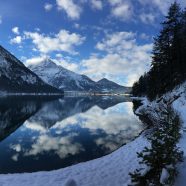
(180, 106)
(113, 169)
(110, 170)
(177, 100)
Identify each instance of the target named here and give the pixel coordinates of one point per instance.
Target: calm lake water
(39, 134)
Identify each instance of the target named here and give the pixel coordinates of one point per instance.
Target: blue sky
(99, 38)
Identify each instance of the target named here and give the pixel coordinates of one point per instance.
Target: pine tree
(163, 153)
(183, 41)
(168, 56)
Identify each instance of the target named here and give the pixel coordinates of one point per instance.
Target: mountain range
(61, 78)
(47, 77)
(15, 77)
(106, 85)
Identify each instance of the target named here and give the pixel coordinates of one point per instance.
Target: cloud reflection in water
(64, 132)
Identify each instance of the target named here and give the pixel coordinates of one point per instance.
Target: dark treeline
(168, 66)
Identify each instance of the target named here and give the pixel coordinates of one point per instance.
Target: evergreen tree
(163, 153)
(166, 52)
(168, 66)
(183, 41)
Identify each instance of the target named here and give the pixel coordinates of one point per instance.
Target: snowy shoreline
(177, 100)
(109, 170)
(112, 169)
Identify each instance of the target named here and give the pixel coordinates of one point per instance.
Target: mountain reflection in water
(41, 134)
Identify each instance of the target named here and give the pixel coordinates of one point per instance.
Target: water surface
(39, 134)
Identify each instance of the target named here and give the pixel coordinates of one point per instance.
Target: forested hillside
(168, 66)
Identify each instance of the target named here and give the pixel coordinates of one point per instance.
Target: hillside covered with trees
(168, 66)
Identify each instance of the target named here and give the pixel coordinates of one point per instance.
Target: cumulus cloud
(160, 5)
(119, 56)
(59, 55)
(147, 18)
(121, 9)
(15, 157)
(76, 25)
(109, 122)
(48, 7)
(16, 147)
(72, 10)
(144, 36)
(124, 58)
(16, 40)
(97, 4)
(60, 60)
(67, 64)
(117, 42)
(62, 146)
(115, 2)
(35, 126)
(35, 60)
(64, 41)
(15, 30)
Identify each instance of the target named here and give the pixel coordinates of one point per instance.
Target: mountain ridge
(60, 77)
(15, 77)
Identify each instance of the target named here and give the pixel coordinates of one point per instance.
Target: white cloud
(48, 7)
(15, 30)
(117, 42)
(76, 25)
(67, 64)
(97, 4)
(16, 147)
(62, 146)
(37, 29)
(147, 18)
(115, 2)
(72, 10)
(35, 60)
(64, 41)
(15, 157)
(23, 58)
(97, 119)
(59, 61)
(16, 40)
(160, 5)
(121, 9)
(124, 58)
(35, 126)
(59, 55)
(145, 36)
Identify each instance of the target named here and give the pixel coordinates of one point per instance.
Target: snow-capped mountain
(106, 85)
(16, 78)
(62, 78)
(67, 80)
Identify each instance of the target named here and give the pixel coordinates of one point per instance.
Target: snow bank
(164, 176)
(176, 99)
(110, 170)
(180, 106)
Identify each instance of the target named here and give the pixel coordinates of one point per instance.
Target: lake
(48, 133)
